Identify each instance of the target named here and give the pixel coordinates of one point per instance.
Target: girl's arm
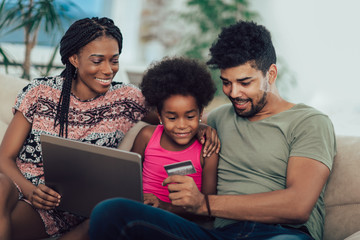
(151, 199)
(142, 139)
(139, 146)
(209, 174)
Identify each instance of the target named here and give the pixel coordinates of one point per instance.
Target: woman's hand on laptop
(44, 197)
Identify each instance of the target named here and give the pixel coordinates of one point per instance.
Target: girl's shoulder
(142, 139)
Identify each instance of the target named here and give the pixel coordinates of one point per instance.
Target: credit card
(180, 168)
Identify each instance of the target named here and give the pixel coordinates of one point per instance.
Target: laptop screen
(85, 174)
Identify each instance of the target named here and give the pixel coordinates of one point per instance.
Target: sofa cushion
(342, 195)
(10, 87)
(127, 143)
(355, 236)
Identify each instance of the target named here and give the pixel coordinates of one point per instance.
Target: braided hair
(79, 34)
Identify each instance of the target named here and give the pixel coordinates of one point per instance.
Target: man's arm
(305, 180)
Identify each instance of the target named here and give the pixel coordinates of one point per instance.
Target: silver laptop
(85, 174)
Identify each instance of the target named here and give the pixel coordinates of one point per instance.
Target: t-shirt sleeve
(315, 138)
(27, 100)
(215, 116)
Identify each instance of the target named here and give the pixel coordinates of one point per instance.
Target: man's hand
(43, 197)
(208, 136)
(183, 192)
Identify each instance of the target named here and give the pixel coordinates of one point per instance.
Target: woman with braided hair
(83, 103)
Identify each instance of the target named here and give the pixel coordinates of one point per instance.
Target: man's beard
(254, 108)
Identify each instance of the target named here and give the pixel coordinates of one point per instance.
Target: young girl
(179, 89)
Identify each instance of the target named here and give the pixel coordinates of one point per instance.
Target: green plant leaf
(32, 16)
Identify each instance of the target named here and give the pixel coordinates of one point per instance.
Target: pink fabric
(155, 159)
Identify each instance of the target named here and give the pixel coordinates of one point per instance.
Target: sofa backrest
(342, 195)
(10, 87)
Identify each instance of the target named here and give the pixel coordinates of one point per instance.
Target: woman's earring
(200, 120)
(160, 122)
(75, 73)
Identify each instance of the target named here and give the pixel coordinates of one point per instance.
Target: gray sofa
(342, 196)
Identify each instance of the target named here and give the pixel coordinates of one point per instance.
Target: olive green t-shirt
(254, 155)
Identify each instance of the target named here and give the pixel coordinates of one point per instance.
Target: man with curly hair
(274, 161)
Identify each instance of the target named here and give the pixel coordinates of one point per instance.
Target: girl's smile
(180, 116)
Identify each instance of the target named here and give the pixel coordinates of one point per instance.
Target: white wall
(320, 42)
(126, 15)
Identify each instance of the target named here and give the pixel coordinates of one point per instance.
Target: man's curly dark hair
(177, 75)
(241, 43)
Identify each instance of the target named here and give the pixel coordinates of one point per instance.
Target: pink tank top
(155, 159)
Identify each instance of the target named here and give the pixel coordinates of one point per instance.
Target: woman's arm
(13, 141)
(151, 117)
(41, 196)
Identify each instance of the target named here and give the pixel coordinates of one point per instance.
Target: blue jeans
(125, 219)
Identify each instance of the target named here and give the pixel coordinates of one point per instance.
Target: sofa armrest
(10, 87)
(342, 195)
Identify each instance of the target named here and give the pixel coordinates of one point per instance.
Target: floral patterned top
(103, 120)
